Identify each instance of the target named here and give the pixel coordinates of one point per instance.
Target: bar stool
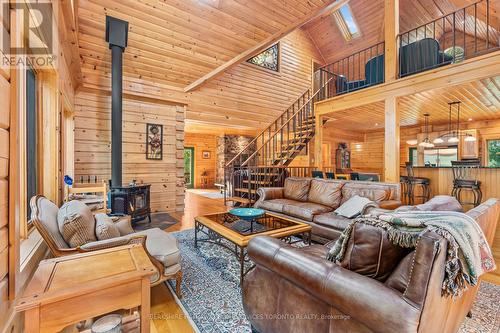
(465, 174)
(413, 183)
(330, 175)
(403, 180)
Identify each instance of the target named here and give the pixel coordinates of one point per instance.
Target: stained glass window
(268, 59)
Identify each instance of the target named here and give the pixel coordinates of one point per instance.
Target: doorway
(189, 167)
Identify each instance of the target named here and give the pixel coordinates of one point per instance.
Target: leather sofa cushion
(305, 210)
(398, 280)
(297, 188)
(276, 205)
(332, 220)
(369, 252)
(373, 192)
(326, 192)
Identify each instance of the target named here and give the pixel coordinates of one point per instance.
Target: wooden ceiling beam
(254, 50)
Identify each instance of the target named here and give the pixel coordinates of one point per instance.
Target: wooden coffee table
(224, 226)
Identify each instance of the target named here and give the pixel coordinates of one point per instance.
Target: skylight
(347, 24)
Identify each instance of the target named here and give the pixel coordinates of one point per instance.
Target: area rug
(212, 298)
(158, 220)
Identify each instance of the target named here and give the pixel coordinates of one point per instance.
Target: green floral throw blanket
(468, 254)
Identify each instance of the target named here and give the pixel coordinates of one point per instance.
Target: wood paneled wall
(93, 146)
(4, 193)
(203, 142)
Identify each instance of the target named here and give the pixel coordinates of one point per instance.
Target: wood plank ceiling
(178, 41)
(369, 16)
(480, 101)
(172, 43)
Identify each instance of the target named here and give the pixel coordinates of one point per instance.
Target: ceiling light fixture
(426, 143)
(453, 135)
(412, 142)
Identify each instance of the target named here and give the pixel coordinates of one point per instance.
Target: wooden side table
(67, 290)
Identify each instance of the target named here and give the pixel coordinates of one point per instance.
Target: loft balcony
(452, 38)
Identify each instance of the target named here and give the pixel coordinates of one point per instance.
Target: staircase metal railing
(261, 162)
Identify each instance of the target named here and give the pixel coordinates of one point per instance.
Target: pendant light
(453, 136)
(426, 143)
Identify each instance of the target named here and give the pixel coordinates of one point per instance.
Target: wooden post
(318, 142)
(391, 28)
(391, 144)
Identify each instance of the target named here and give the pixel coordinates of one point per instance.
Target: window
(346, 23)
(413, 155)
(31, 138)
(268, 59)
(493, 153)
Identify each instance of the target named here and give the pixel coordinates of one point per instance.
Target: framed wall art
(154, 142)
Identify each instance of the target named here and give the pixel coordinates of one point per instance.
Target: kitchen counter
(447, 167)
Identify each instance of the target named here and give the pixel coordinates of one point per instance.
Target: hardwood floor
(167, 316)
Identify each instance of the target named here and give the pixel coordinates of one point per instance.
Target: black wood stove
(131, 200)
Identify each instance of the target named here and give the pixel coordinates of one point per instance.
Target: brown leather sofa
(313, 201)
(378, 287)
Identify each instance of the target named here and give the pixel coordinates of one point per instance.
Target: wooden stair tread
(239, 199)
(257, 181)
(246, 190)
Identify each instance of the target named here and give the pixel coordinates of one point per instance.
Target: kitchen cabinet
(469, 149)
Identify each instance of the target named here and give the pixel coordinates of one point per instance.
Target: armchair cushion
(76, 223)
(104, 227)
(109, 243)
(163, 246)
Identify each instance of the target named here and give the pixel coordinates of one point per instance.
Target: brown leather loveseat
(313, 201)
(378, 287)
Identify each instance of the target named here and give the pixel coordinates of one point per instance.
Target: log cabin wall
(203, 143)
(93, 146)
(4, 187)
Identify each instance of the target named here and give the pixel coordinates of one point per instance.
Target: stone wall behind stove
(228, 146)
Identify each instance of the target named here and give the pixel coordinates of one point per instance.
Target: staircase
(277, 146)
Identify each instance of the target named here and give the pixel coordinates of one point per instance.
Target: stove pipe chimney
(116, 36)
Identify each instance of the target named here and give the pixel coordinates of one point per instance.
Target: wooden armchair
(161, 247)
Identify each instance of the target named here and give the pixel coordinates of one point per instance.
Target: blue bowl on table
(247, 214)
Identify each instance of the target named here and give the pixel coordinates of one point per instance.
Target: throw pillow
(105, 228)
(123, 224)
(353, 207)
(76, 223)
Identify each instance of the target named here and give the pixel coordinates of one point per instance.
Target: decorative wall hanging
(206, 154)
(268, 59)
(154, 142)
